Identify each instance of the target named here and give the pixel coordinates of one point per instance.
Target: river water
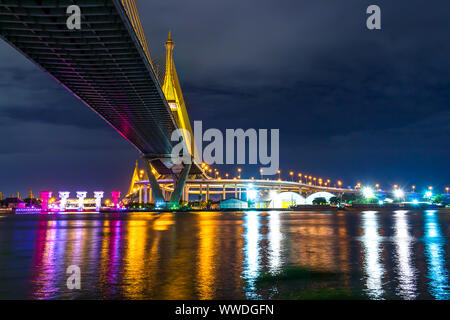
(220, 255)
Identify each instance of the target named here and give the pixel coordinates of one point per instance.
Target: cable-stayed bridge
(107, 65)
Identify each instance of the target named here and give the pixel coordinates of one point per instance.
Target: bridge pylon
(179, 181)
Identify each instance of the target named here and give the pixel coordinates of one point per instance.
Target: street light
(398, 193)
(368, 192)
(413, 188)
(447, 189)
(279, 174)
(292, 175)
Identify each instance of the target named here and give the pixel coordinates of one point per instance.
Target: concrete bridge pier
(156, 189)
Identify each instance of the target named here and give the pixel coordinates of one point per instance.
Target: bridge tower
(174, 96)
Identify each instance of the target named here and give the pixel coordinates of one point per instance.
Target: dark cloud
(350, 103)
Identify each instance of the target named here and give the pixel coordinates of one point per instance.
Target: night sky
(352, 104)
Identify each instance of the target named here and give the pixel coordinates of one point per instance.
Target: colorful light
(399, 193)
(368, 192)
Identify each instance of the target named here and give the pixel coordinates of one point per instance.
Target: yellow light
(260, 170)
(395, 186)
(339, 182)
(300, 175)
(278, 171)
(291, 173)
(239, 169)
(430, 188)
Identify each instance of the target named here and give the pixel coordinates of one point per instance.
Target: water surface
(217, 255)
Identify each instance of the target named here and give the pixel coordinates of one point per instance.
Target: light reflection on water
(212, 255)
(251, 252)
(435, 257)
(403, 243)
(372, 247)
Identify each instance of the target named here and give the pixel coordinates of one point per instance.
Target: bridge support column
(207, 192)
(145, 193)
(156, 190)
(224, 194)
(235, 191)
(200, 188)
(186, 194)
(140, 194)
(179, 186)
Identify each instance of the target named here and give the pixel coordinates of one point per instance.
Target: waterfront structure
(45, 197)
(63, 196)
(115, 195)
(81, 195)
(98, 195)
(233, 203)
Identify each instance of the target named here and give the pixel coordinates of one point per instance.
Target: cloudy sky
(350, 103)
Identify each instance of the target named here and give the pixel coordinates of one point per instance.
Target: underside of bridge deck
(104, 64)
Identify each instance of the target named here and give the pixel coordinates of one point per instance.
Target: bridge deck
(103, 64)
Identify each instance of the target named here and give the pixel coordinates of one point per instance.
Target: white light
(398, 193)
(415, 201)
(368, 192)
(428, 194)
(380, 202)
(251, 194)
